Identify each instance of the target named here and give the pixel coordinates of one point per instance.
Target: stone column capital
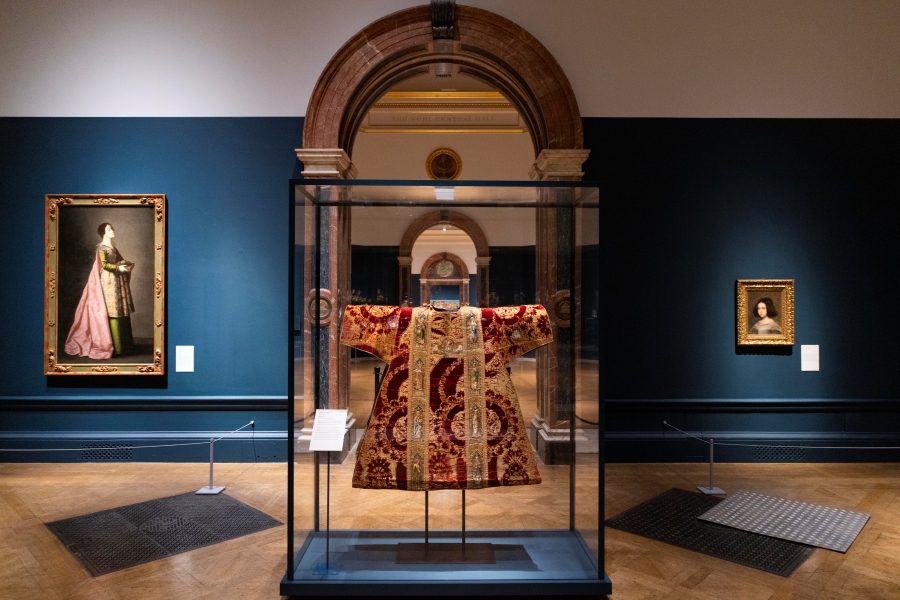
(482, 260)
(326, 163)
(404, 261)
(558, 165)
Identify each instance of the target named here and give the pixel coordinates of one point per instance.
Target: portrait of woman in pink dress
(102, 326)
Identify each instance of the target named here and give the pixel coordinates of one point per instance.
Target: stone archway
(484, 45)
(461, 222)
(487, 46)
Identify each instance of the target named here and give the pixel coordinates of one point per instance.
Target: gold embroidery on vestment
(473, 366)
(419, 407)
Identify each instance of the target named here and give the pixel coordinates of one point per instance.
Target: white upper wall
(624, 58)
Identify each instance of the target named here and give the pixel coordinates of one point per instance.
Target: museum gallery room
(492, 298)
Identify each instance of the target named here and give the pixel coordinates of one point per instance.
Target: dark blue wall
(688, 207)
(512, 275)
(691, 205)
(226, 184)
(376, 275)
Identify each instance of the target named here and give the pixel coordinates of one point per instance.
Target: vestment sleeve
(372, 329)
(519, 329)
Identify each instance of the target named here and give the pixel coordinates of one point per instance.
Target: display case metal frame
(315, 196)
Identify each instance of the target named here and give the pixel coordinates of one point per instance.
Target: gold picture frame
(104, 284)
(765, 312)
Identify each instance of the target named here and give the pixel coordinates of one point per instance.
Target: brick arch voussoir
(524, 55)
(369, 47)
(491, 47)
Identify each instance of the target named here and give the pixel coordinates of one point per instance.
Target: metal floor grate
(130, 535)
(778, 453)
(118, 452)
(671, 517)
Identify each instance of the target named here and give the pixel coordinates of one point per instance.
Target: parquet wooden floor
(34, 565)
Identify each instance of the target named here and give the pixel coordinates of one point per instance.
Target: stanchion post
(464, 520)
(211, 489)
(712, 489)
(325, 568)
(328, 514)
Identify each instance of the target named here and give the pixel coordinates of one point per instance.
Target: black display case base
(371, 563)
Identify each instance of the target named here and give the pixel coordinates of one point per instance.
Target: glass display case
(456, 324)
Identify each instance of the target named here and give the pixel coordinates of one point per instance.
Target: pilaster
(555, 277)
(483, 293)
(334, 276)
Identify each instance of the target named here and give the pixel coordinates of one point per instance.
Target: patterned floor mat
(671, 517)
(123, 537)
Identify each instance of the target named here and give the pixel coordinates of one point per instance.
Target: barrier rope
(102, 446)
(586, 421)
(784, 445)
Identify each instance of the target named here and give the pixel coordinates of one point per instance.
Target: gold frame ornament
(74, 295)
(765, 312)
(443, 164)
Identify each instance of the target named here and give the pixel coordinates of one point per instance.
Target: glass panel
(537, 244)
(588, 408)
(302, 492)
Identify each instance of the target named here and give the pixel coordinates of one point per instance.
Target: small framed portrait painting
(765, 312)
(104, 284)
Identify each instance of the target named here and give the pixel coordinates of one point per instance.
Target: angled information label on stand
(328, 430)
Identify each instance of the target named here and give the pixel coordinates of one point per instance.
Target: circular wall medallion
(443, 163)
(323, 307)
(561, 308)
(444, 268)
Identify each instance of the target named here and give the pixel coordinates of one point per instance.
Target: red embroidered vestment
(446, 416)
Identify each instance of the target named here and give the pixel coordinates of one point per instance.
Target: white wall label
(184, 359)
(809, 358)
(328, 430)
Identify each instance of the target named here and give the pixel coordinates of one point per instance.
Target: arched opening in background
(427, 233)
(425, 114)
(444, 280)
